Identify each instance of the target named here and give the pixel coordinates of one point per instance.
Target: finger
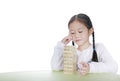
(84, 64)
(81, 63)
(84, 69)
(70, 37)
(83, 72)
(80, 66)
(66, 39)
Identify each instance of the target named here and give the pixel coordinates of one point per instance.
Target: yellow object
(70, 60)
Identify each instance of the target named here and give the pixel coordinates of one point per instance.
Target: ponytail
(94, 57)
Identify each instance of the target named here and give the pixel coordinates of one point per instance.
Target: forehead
(76, 25)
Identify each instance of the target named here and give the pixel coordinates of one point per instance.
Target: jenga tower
(70, 60)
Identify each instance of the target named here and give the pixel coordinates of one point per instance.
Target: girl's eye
(80, 31)
(72, 33)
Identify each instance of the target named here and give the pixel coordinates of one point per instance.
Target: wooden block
(70, 59)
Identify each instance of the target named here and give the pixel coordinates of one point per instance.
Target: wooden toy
(70, 60)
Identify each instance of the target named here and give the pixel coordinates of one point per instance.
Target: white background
(29, 29)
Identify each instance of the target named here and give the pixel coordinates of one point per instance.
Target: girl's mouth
(77, 40)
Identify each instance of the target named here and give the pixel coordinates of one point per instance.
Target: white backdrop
(29, 29)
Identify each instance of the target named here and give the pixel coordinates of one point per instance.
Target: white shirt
(105, 61)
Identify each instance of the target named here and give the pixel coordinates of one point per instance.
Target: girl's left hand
(85, 68)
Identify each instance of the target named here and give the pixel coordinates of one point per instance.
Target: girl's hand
(66, 39)
(85, 68)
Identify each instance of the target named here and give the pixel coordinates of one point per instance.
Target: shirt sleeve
(57, 58)
(106, 62)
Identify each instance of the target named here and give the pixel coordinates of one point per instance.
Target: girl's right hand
(66, 39)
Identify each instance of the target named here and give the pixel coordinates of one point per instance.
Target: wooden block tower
(70, 60)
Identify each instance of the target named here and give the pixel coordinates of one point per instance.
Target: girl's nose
(77, 35)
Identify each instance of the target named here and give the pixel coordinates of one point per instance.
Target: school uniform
(105, 61)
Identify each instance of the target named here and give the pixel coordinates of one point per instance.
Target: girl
(94, 58)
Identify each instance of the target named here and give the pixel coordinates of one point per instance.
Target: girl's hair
(83, 18)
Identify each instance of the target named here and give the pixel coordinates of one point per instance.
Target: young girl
(94, 58)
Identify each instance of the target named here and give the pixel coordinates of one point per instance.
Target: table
(56, 76)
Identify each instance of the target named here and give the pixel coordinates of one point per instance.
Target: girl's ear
(91, 30)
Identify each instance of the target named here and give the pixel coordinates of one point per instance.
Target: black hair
(83, 18)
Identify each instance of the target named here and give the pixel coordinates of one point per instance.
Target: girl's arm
(106, 62)
(57, 58)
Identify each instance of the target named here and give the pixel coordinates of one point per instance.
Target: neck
(84, 46)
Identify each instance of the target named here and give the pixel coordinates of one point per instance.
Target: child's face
(79, 32)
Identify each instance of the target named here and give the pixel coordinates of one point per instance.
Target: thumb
(84, 64)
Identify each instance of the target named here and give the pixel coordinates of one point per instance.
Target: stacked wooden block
(70, 60)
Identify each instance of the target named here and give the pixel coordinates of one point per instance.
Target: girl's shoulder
(99, 46)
